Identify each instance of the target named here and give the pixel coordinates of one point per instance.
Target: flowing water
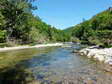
(54, 65)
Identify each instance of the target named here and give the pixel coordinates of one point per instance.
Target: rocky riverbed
(101, 54)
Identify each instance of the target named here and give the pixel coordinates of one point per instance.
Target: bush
(2, 36)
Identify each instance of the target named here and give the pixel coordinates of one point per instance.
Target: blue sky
(66, 13)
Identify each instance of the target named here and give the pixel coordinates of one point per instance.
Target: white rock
(99, 54)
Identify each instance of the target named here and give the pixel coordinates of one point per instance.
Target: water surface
(55, 65)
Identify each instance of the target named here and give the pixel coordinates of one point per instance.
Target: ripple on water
(60, 66)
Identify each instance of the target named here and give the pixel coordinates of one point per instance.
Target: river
(53, 65)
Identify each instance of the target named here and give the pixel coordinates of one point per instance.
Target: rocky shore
(100, 54)
(26, 47)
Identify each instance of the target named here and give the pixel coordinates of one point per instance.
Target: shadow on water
(15, 75)
(14, 68)
(55, 65)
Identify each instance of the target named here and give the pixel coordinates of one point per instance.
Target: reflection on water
(54, 65)
(12, 71)
(59, 62)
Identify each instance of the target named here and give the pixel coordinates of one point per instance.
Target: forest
(34, 52)
(19, 26)
(96, 31)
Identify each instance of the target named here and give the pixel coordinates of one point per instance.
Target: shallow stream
(53, 65)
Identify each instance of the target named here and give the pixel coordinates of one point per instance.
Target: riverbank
(27, 46)
(100, 54)
(53, 65)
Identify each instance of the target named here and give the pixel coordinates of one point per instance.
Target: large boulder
(104, 55)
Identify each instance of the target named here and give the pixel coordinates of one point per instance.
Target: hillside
(96, 31)
(19, 26)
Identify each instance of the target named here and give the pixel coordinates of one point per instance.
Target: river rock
(104, 55)
(108, 68)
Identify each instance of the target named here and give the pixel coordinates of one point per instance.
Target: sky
(66, 13)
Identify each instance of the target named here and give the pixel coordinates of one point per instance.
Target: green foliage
(96, 31)
(102, 21)
(2, 21)
(2, 35)
(21, 26)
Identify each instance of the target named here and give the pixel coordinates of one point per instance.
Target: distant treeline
(96, 31)
(19, 25)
